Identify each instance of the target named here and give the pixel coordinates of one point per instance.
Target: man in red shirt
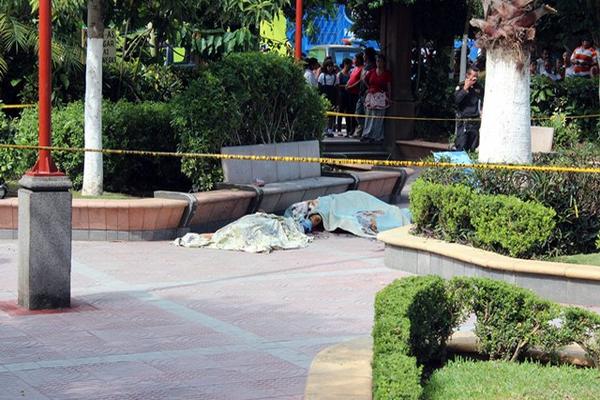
(353, 87)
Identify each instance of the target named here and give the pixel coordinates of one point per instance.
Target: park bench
(285, 183)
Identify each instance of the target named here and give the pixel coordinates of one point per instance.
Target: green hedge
(415, 316)
(136, 126)
(509, 319)
(500, 223)
(245, 99)
(413, 319)
(568, 194)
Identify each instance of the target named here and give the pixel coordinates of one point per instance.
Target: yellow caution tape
(14, 106)
(392, 117)
(321, 160)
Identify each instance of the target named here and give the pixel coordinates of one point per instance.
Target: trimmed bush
(413, 318)
(141, 126)
(205, 118)
(442, 210)
(509, 224)
(500, 223)
(509, 319)
(275, 102)
(577, 221)
(396, 376)
(245, 99)
(583, 327)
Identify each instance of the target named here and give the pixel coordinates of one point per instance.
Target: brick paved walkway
(159, 322)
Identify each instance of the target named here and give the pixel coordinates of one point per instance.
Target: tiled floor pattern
(170, 323)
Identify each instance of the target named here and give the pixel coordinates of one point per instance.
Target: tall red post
(298, 37)
(44, 165)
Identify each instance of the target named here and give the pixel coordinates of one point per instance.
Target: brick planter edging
(102, 220)
(561, 282)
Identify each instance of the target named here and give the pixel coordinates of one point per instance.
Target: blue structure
(330, 31)
(473, 51)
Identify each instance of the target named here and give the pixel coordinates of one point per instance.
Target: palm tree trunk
(92, 167)
(506, 120)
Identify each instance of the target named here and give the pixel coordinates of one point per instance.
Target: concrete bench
(285, 183)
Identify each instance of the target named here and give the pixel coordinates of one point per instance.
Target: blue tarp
(356, 212)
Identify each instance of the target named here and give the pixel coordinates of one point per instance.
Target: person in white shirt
(328, 82)
(309, 73)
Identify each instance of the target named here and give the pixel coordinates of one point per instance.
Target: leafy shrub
(574, 96)
(501, 223)
(509, 319)
(135, 81)
(510, 224)
(276, 103)
(7, 128)
(396, 376)
(413, 318)
(568, 194)
(583, 327)
(566, 134)
(143, 126)
(442, 210)
(205, 119)
(245, 99)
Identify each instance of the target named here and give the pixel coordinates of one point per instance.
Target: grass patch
(487, 380)
(585, 259)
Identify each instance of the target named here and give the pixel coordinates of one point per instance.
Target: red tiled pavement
(172, 323)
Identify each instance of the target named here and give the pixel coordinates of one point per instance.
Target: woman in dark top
(344, 99)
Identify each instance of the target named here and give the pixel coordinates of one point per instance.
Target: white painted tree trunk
(92, 169)
(505, 135)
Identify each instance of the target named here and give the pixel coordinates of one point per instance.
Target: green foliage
(509, 319)
(135, 81)
(413, 318)
(510, 224)
(7, 132)
(572, 96)
(396, 376)
(471, 380)
(435, 93)
(583, 327)
(565, 133)
(143, 126)
(205, 119)
(277, 104)
(568, 194)
(245, 99)
(442, 210)
(501, 223)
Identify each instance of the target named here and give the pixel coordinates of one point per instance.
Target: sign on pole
(109, 54)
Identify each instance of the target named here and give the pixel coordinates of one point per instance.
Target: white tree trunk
(505, 135)
(92, 169)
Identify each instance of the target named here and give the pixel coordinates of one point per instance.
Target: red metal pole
(298, 38)
(44, 165)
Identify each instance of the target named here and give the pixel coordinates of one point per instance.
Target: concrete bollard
(44, 242)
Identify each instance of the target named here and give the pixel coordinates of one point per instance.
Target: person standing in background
(585, 60)
(328, 86)
(353, 90)
(344, 99)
